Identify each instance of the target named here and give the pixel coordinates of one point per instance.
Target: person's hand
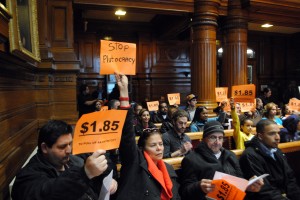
(256, 186)
(186, 147)
(113, 187)
(231, 101)
(206, 186)
(122, 81)
(95, 164)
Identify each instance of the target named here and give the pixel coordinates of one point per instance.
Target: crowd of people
(54, 173)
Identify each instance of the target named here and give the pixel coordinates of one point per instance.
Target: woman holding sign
(144, 175)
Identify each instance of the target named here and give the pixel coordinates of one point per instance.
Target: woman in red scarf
(144, 175)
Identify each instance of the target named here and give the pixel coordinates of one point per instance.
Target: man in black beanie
(199, 167)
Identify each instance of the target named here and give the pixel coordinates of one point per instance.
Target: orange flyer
(247, 106)
(225, 190)
(98, 130)
(117, 57)
(152, 105)
(174, 98)
(294, 104)
(104, 108)
(221, 94)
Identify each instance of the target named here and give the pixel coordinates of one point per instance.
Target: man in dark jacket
(262, 156)
(199, 167)
(53, 173)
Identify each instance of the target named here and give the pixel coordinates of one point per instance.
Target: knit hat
(191, 96)
(212, 127)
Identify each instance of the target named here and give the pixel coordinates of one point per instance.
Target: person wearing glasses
(199, 167)
(143, 175)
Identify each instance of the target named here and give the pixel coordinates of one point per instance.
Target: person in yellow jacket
(242, 130)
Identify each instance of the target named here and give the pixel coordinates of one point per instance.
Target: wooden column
(234, 69)
(203, 39)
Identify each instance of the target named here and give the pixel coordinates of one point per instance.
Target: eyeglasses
(215, 138)
(149, 130)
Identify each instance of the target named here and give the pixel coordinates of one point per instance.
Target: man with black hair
(262, 156)
(54, 173)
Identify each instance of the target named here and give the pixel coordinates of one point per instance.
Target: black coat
(281, 179)
(38, 180)
(136, 182)
(202, 164)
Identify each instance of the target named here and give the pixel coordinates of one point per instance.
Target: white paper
(240, 183)
(255, 179)
(104, 192)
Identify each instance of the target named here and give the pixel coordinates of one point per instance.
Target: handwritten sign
(224, 190)
(174, 98)
(117, 57)
(243, 93)
(294, 104)
(226, 103)
(221, 94)
(104, 108)
(247, 106)
(98, 130)
(152, 105)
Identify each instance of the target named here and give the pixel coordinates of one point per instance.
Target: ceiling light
(266, 25)
(120, 12)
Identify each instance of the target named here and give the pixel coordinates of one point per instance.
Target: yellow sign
(221, 94)
(98, 130)
(174, 98)
(152, 105)
(119, 57)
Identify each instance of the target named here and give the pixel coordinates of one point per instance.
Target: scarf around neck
(161, 175)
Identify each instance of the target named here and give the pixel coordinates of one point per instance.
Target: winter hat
(212, 127)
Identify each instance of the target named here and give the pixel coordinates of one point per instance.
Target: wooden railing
(285, 147)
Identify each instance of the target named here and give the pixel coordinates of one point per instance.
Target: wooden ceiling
(171, 17)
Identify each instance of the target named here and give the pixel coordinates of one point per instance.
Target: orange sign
(243, 93)
(294, 104)
(221, 94)
(247, 106)
(98, 130)
(104, 108)
(225, 190)
(174, 98)
(119, 57)
(227, 105)
(152, 105)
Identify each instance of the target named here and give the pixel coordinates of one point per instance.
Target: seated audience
(161, 115)
(266, 95)
(144, 175)
(143, 122)
(242, 130)
(262, 156)
(54, 173)
(201, 118)
(85, 101)
(199, 167)
(191, 103)
(136, 109)
(98, 105)
(291, 130)
(168, 124)
(270, 113)
(113, 104)
(176, 142)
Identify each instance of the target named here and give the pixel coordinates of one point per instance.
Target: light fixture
(107, 38)
(266, 25)
(120, 12)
